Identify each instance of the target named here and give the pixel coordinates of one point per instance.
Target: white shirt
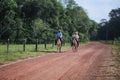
(75, 36)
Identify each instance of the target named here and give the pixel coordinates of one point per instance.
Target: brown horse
(75, 45)
(59, 45)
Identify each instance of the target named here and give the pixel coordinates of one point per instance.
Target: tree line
(40, 19)
(110, 30)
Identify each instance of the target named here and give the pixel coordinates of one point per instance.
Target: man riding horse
(59, 36)
(76, 37)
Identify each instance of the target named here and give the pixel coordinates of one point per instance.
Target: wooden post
(8, 45)
(24, 43)
(36, 47)
(53, 43)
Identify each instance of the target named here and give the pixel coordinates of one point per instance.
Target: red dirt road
(82, 65)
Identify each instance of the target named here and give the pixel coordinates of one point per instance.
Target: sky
(98, 9)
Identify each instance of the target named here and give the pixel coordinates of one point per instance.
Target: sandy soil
(88, 63)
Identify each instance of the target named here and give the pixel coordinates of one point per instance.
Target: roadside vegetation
(16, 51)
(116, 57)
(114, 67)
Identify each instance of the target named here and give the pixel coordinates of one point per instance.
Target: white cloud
(98, 9)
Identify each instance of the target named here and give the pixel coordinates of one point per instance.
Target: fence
(115, 42)
(35, 45)
(8, 46)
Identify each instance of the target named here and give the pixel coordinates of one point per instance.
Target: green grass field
(16, 52)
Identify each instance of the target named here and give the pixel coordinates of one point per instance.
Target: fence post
(36, 47)
(53, 43)
(8, 45)
(24, 43)
(45, 44)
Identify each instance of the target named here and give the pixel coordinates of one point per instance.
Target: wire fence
(36, 45)
(8, 46)
(114, 42)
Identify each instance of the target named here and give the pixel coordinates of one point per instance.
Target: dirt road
(86, 64)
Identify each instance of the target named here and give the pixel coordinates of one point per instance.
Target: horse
(59, 45)
(74, 45)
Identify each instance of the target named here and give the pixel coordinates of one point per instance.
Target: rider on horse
(59, 36)
(76, 37)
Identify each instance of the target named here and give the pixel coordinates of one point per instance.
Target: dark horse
(59, 45)
(74, 45)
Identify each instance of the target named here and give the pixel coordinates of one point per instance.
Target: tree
(110, 30)
(7, 17)
(114, 23)
(33, 19)
(93, 31)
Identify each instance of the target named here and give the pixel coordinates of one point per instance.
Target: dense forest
(40, 19)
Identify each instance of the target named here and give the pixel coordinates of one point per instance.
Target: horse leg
(73, 48)
(60, 49)
(57, 49)
(76, 47)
